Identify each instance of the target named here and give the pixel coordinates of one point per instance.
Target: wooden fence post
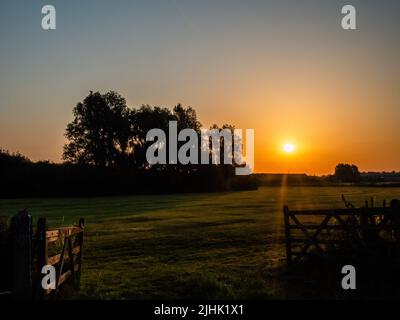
(21, 237)
(42, 255)
(79, 257)
(287, 236)
(395, 213)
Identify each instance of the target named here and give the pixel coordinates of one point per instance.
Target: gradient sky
(284, 68)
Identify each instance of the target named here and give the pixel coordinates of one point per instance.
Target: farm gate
(31, 251)
(316, 231)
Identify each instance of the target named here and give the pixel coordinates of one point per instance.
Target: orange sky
(284, 68)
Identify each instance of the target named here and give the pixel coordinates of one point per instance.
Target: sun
(289, 148)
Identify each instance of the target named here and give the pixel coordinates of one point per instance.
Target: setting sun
(289, 148)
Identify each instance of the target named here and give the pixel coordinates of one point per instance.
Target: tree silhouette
(101, 131)
(106, 155)
(146, 118)
(106, 132)
(347, 172)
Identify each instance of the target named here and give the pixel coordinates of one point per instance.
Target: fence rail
(318, 230)
(31, 251)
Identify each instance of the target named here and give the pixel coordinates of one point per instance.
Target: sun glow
(289, 148)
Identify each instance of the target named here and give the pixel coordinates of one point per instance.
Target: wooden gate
(68, 261)
(319, 230)
(61, 248)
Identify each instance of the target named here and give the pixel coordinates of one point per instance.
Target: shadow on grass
(377, 276)
(190, 286)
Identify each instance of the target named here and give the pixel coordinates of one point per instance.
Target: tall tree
(186, 118)
(146, 118)
(101, 131)
(347, 172)
(105, 132)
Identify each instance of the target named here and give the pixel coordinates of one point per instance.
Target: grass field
(220, 245)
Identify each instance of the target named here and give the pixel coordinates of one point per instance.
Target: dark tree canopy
(347, 172)
(106, 155)
(8, 159)
(106, 132)
(100, 132)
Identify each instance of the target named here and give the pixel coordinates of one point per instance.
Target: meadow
(214, 245)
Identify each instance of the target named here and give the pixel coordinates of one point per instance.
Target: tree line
(105, 154)
(106, 132)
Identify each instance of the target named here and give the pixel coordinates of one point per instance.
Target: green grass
(220, 245)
